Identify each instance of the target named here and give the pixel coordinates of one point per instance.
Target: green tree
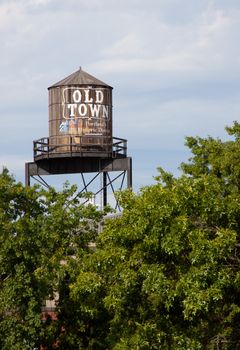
(42, 236)
(166, 274)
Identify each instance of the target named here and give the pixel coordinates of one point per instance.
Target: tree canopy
(164, 275)
(42, 234)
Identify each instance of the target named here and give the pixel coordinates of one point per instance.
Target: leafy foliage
(164, 275)
(42, 234)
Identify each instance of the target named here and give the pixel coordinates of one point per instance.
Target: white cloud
(174, 65)
(129, 45)
(10, 12)
(13, 162)
(155, 46)
(39, 2)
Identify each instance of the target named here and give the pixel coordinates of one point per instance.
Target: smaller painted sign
(85, 111)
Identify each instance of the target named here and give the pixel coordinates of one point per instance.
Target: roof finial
(80, 68)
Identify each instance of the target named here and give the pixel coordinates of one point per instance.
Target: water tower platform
(83, 156)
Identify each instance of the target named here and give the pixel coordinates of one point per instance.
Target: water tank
(80, 115)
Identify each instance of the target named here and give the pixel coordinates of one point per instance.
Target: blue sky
(174, 66)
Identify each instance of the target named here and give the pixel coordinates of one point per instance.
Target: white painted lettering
(94, 109)
(77, 96)
(105, 111)
(87, 98)
(72, 107)
(99, 96)
(82, 110)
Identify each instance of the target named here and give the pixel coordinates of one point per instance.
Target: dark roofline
(82, 78)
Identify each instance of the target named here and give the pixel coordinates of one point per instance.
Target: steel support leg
(129, 173)
(104, 189)
(27, 176)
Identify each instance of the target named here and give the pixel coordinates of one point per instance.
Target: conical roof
(80, 77)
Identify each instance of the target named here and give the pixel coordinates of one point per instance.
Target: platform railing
(76, 144)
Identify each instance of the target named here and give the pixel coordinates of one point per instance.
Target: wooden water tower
(80, 135)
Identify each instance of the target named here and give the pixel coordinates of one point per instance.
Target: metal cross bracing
(114, 175)
(107, 183)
